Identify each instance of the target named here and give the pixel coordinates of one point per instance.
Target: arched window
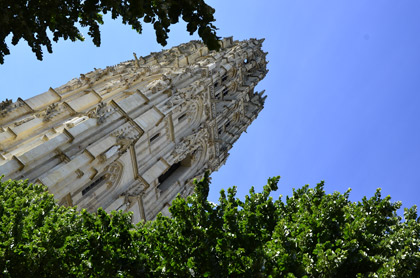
(154, 137)
(225, 91)
(180, 118)
(174, 173)
(98, 181)
(169, 172)
(224, 77)
(109, 177)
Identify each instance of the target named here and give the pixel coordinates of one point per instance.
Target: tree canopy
(35, 21)
(309, 234)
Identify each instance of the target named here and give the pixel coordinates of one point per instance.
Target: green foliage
(310, 234)
(32, 20)
(38, 238)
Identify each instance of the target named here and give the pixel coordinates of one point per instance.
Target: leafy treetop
(310, 234)
(32, 20)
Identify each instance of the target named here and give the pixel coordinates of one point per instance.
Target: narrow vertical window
(154, 137)
(180, 118)
(93, 185)
(225, 91)
(169, 172)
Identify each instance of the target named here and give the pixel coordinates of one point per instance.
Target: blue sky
(343, 91)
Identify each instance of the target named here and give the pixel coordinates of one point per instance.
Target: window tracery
(109, 177)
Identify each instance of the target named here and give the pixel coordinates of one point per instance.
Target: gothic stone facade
(132, 136)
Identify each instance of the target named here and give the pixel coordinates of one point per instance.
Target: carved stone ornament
(100, 112)
(181, 150)
(114, 173)
(124, 144)
(189, 143)
(196, 154)
(74, 84)
(5, 103)
(21, 122)
(187, 190)
(174, 101)
(110, 176)
(108, 154)
(62, 156)
(98, 74)
(207, 112)
(193, 107)
(185, 73)
(126, 132)
(136, 189)
(214, 164)
(158, 85)
(51, 111)
(125, 138)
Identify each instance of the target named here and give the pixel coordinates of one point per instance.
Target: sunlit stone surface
(132, 136)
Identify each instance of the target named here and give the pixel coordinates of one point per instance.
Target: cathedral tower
(132, 136)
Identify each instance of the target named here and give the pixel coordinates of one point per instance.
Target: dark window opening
(220, 130)
(217, 95)
(216, 84)
(154, 137)
(227, 124)
(92, 185)
(182, 117)
(225, 91)
(169, 172)
(224, 77)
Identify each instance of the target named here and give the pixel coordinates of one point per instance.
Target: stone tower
(133, 136)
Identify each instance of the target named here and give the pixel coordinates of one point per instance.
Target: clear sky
(343, 91)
